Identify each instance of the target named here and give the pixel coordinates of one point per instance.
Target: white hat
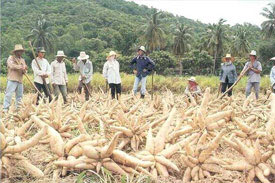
(18, 47)
(273, 59)
(228, 56)
(112, 53)
(60, 54)
(83, 56)
(142, 48)
(253, 52)
(192, 79)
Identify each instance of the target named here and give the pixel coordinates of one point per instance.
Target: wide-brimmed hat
(60, 53)
(193, 79)
(142, 48)
(272, 59)
(18, 47)
(228, 56)
(111, 53)
(253, 53)
(83, 56)
(41, 49)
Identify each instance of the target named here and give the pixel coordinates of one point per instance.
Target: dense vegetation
(177, 44)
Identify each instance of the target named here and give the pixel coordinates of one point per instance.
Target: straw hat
(193, 79)
(142, 48)
(60, 53)
(111, 53)
(228, 56)
(41, 49)
(253, 53)
(18, 47)
(83, 56)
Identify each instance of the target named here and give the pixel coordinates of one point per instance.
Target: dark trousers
(115, 89)
(41, 87)
(225, 86)
(82, 85)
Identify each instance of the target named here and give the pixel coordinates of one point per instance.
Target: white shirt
(111, 72)
(45, 69)
(84, 69)
(59, 75)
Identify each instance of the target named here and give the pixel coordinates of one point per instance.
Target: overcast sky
(210, 11)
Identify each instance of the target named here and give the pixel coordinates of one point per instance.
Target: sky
(210, 11)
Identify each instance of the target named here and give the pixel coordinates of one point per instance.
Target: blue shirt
(140, 63)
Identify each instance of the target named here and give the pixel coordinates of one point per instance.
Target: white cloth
(188, 90)
(272, 77)
(45, 69)
(111, 72)
(59, 75)
(84, 69)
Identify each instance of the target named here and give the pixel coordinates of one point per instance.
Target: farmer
(142, 66)
(111, 74)
(85, 67)
(45, 73)
(272, 75)
(228, 74)
(59, 76)
(16, 68)
(254, 77)
(192, 87)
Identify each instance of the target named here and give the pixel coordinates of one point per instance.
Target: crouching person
(59, 76)
(16, 68)
(193, 88)
(111, 74)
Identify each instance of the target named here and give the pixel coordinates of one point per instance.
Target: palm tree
(214, 37)
(240, 45)
(181, 44)
(41, 34)
(154, 35)
(268, 26)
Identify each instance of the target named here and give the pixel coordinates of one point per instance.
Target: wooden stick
(236, 82)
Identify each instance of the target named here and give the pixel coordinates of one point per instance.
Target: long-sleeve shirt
(272, 77)
(59, 75)
(45, 70)
(140, 63)
(253, 76)
(14, 69)
(229, 71)
(85, 69)
(196, 90)
(111, 72)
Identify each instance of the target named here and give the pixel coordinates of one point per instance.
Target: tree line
(178, 45)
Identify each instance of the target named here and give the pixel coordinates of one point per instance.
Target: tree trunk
(214, 66)
(180, 71)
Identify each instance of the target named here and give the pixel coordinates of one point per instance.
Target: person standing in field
(45, 73)
(16, 68)
(142, 66)
(228, 74)
(59, 77)
(85, 68)
(272, 75)
(111, 74)
(254, 69)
